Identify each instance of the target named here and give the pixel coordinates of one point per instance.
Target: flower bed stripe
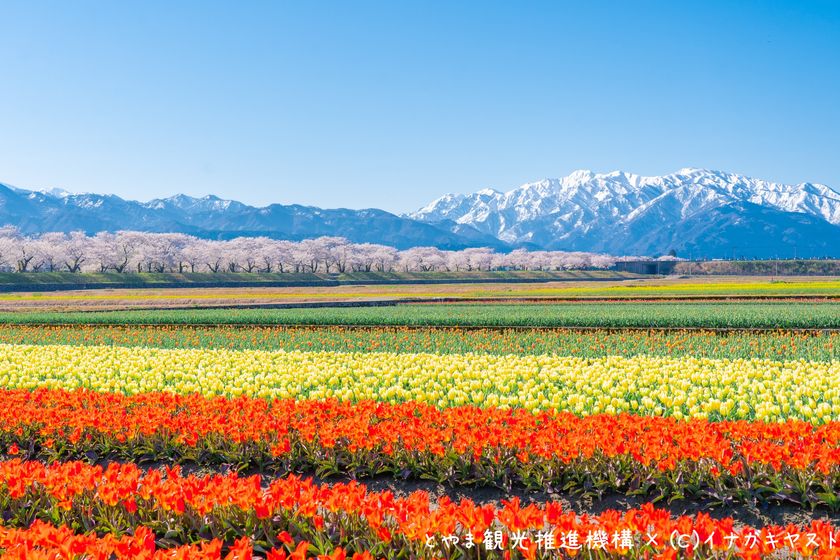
(779, 345)
(679, 387)
(791, 461)
(177, 509)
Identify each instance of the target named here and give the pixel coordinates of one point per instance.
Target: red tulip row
(240, 517)
(43, 541)
(658, 457)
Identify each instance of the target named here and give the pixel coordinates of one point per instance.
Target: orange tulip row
(269, 520)
(777, 461)
(417, 426)
(42, 541)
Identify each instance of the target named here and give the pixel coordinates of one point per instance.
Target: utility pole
(734, 259)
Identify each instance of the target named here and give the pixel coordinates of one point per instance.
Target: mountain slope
(212, 217)
(706, 213)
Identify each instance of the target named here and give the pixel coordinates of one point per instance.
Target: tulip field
(417, 432)
(820, 346)
(741, 315)
(599, 287)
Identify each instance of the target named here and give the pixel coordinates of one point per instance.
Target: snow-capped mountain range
(694, 212)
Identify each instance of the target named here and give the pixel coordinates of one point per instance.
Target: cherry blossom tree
(422, 259)
(19, 252)
(75, 251)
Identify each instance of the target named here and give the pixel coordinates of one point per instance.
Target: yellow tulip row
(681, 387)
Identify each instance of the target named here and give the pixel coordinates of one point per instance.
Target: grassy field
(817, 346)
(610, 315)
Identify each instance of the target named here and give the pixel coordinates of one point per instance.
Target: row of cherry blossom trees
(132, 251)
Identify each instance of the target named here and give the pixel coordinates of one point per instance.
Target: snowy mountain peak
(579, 175)
(693, 171)
(52, 192)
(58, 193)
(186, 202)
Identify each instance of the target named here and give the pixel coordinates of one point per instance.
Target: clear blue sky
(391, 104)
